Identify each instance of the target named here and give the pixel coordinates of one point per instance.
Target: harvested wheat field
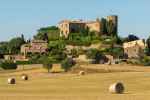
(68, 86)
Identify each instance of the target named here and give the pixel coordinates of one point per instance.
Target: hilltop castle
(98, 26)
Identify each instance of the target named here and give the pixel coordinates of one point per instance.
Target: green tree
(119, 40)
(45, 29)
(47, 64)
(116, 52)
(130, 38)
(15, 44)
(22, 37)
(147, 50)
(96, 56)
(145, 61)
(4, 48)
(57, 50)
(48, 33)
(148, 42)
(67, 64)
(104, 29)
(84, 32)
(79, 39)
(45, 37)
(74, 53)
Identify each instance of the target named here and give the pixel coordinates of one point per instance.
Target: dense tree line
(12, 46)
(57, 52)
(47, 33)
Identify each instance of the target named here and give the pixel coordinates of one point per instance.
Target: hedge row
(8, 65)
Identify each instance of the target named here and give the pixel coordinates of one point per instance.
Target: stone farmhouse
(36, 46)
(134, 49)
(75, 26)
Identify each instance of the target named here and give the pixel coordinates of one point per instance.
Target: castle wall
(75, 26)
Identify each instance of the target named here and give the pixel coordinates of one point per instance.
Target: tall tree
(22, 37)
(45, 37)
(132, 37)
(104, 28)
(4, 48)
(15, 44)
(147, 50)
(148, 42)
(48, 33)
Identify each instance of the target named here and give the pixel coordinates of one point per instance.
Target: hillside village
(74, 50)
(93, 42)
(75, 58)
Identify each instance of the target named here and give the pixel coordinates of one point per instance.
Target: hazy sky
(26, 16)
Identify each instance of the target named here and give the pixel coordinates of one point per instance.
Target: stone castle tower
(114, 20)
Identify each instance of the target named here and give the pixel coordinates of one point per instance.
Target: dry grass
(57, 68)
(43, 86)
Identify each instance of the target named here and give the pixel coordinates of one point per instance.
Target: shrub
(34, 58)
(146, 61)
(56, 50)
(79, 39)
(134, 62)
(95, 41)
(67, 64)
(23, 62)
(8, 65)
(116, 52)
(96, 56)
(74, 53)
(132, 37)
(147, 51)
(47, 64)
(48, 33)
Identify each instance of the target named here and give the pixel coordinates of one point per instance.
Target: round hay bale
(82, 73)
(24, 77)
(117, 88)
(11, 81)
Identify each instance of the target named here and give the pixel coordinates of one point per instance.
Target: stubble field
(68, 86)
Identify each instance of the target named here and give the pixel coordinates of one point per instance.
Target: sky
(27, 16)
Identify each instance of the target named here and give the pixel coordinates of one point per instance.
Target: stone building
(75, 26)
(36, 46)
(94, 26)
(67, 26)
(15, 58)
(134, 49)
